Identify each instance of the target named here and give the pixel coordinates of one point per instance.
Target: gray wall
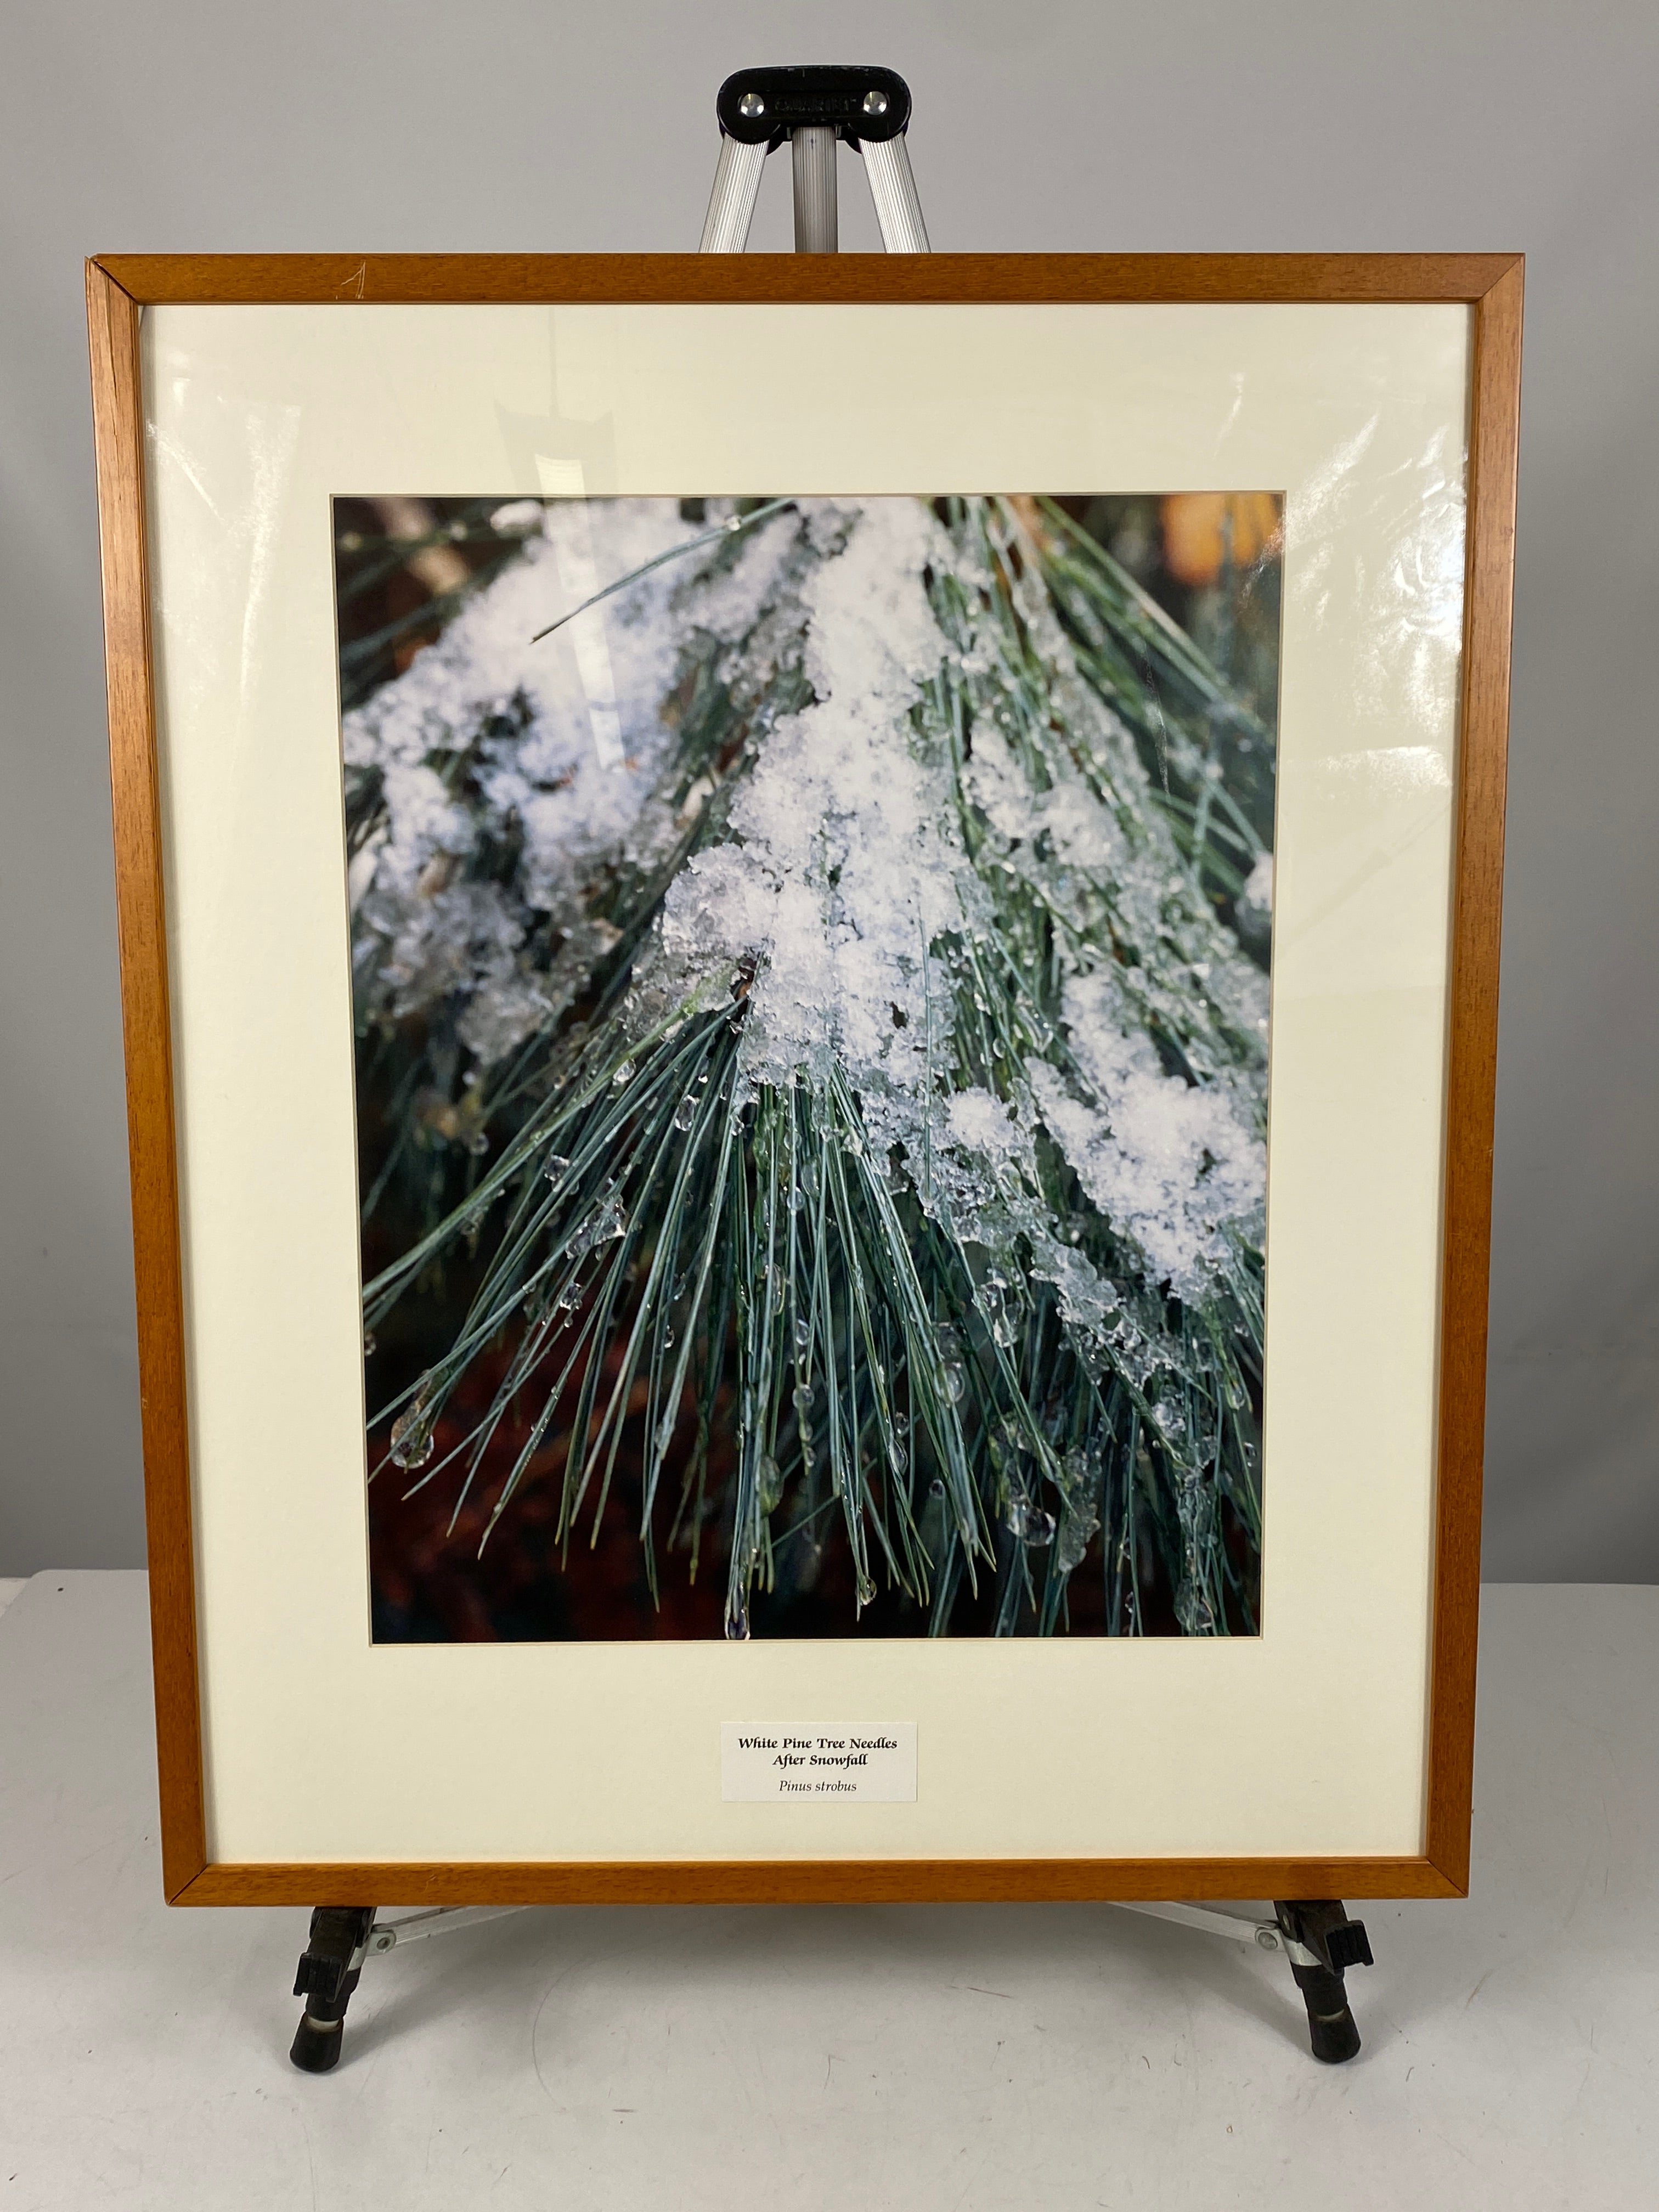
(334, 123)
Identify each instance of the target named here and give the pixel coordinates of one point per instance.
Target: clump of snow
(1174, 1166)
(553, 747)
(981, 1122)
(847, 865)
(843, 865)
(518, 518)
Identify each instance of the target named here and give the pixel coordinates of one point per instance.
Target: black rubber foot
(316, 2045)
(1333, 2034)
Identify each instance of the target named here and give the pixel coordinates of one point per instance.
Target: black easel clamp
(1321, 1943)
(765, 106)
(326, 1976)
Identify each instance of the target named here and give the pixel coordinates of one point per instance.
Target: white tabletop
(1029, 2057)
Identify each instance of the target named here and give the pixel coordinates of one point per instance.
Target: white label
(806, 1765)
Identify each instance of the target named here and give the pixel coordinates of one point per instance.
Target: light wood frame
(118, 288)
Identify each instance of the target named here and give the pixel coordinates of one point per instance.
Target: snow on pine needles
(878, 1002)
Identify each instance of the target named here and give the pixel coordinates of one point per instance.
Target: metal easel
(814, 109)
(1316, 1937)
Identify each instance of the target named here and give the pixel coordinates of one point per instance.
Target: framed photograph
(810, 950)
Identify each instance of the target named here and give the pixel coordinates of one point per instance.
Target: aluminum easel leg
(812, 158)
(893, 188)
(732, 203)
(1320, 1942)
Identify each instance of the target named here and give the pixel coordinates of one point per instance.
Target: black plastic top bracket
(1324, 1926)
(767, 105)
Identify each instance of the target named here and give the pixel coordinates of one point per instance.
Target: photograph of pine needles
(811, 979)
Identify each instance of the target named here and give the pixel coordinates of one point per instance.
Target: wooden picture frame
(119, 288)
